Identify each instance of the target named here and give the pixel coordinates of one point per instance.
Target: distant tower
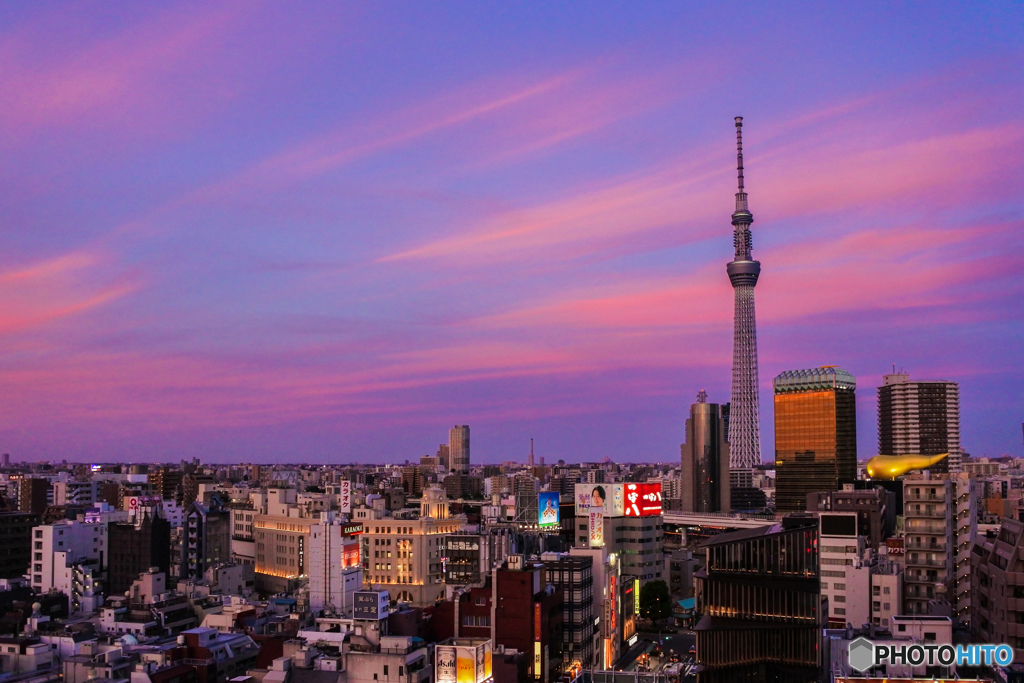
(458, 449)
(744, 423)
(530, 462)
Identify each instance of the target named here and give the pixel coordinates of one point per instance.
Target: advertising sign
(547, 508)
(350, 554)
(609, 497)
(643, 500)
(371, 604)
(444, 664)
(611, 597)
(483, 662)
(596, 528)
(345, 499)
(467, 664)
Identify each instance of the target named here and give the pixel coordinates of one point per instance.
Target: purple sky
(325, 232)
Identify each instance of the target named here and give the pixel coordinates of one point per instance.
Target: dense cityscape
(718, 566)
(404, 343)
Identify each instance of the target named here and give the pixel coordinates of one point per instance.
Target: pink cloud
(58, 288)
(124, 79)
(791, 180)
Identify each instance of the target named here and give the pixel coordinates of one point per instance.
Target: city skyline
(246, 234)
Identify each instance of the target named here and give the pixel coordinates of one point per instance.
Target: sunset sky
(327, 232)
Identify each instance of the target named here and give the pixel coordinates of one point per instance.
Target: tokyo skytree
(744, 424)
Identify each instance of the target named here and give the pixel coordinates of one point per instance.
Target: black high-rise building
(760, 597)
(16, 549)
(134, 548)
(704, 478)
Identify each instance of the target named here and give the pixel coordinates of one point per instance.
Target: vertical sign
(636, 597)
(596, 527)
(611, 597)
(346, 497)
(444, 664)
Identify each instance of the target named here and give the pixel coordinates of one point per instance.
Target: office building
(743, 270)
(528, 616)
(282, 541)
(207, 541)
(469, 557)
(704, 477)
(33, 495)
(412, 480)
(815, 434)
(75, 492)
(876, 509)
(845, 573)
(573, 575)
(136, 547)
(760, 597)
(920, 418)
(458, 449)
(167, 483)
(402, 553)
(16, 549)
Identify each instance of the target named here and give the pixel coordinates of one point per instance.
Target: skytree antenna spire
(744, 419)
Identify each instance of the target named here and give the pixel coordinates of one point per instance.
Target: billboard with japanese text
(643, 500)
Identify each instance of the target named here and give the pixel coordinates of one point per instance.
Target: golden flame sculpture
(892, 466)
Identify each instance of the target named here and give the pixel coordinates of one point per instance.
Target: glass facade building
(815, 434)
(760, 597)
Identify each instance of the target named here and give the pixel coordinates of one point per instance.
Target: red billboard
(643, 500)
(350, 554)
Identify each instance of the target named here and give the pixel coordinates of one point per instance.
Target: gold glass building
(815, 434)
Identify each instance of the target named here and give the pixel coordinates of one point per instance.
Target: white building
(886, 593)
(965, 527)
(845, 575)
(75, 492)
(57, 548)
(334, 574)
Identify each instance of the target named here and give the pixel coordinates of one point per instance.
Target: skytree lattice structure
(744, 423)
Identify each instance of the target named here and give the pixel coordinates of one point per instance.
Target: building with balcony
(207, 539)
(939, 523)
(997, 579)
(920, 418)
